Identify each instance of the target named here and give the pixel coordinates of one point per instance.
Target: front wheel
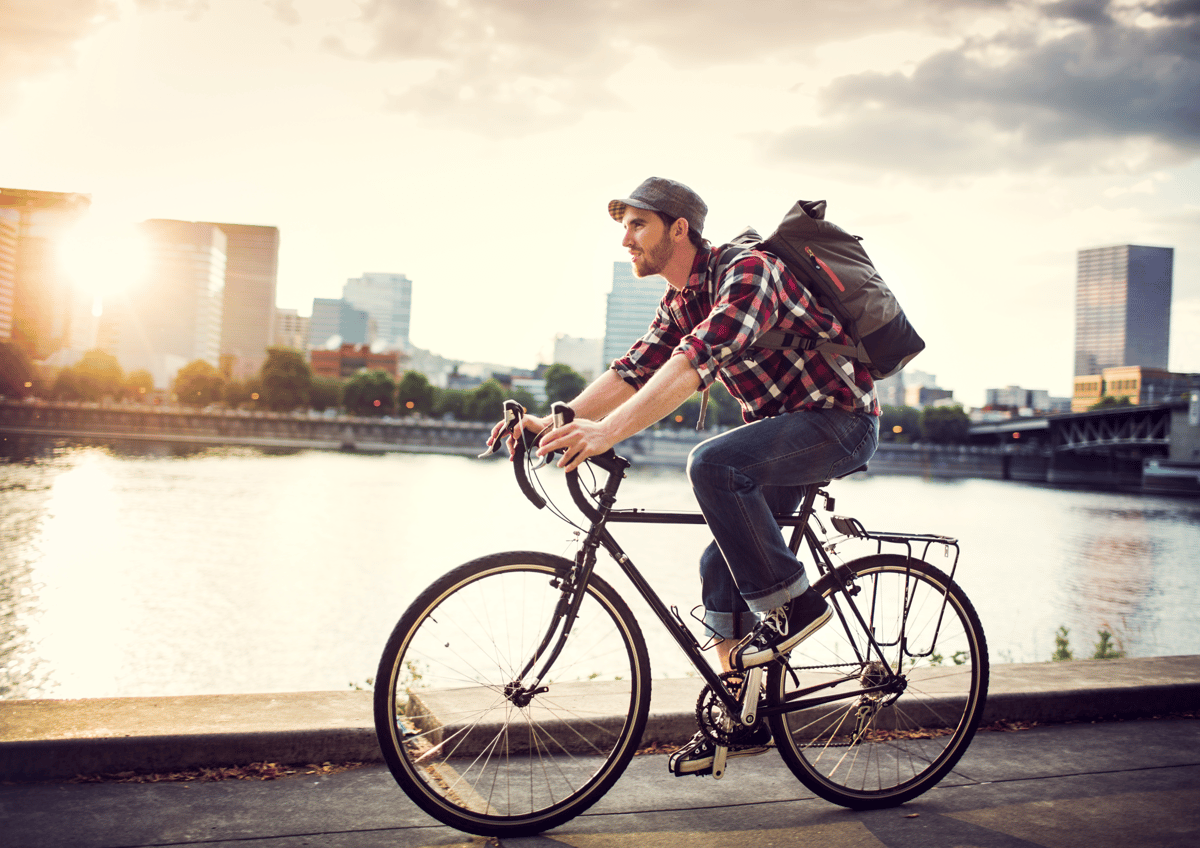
(891, 737)
(463, 730)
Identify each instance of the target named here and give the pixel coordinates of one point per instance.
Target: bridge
(1155, 446)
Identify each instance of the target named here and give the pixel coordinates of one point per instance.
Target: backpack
(836, 269)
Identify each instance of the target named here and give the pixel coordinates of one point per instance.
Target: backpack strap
(783, 340)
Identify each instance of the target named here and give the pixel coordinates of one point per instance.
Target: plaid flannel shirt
(715, 320)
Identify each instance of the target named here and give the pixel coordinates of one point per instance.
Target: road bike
(515, 689)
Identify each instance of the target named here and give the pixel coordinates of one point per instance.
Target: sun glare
(104, 258)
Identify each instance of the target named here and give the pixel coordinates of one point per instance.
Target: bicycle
(514, 690)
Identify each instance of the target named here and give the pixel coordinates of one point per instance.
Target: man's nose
(627, 241)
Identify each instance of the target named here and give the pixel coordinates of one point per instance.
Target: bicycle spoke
(879, 748)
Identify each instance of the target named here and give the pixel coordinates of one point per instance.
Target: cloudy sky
(976, 145)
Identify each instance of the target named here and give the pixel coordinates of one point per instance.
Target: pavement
(1097, 763)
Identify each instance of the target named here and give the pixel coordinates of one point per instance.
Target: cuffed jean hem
(778, 597)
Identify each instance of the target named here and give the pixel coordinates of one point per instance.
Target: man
(810, 417)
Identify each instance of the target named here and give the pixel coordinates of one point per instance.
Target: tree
(16, 371)
(326, 394)
(563, 383)
(486, 403)
(525, 398)
(100, 375)
(1108, 402)
(236, 393)
(198, 384)
(286, 380)
(67, 385)
(451, 403)
(414, 394)
(947, 425)
(899, 424)
(370, 393)
(138, 384)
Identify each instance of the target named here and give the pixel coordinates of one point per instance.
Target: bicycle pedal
(718, 766)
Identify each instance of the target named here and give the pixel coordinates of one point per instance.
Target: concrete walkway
(1108, 785)
(56, 740)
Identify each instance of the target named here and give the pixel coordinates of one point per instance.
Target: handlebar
(563, 415)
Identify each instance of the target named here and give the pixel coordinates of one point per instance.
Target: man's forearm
(602, 396)
(671, 385)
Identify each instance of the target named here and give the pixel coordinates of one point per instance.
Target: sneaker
(781, 629)
(696, 757)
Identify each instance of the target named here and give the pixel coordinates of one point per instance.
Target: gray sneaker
(780, 630)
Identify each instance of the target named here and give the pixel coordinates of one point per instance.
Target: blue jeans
(744, 475)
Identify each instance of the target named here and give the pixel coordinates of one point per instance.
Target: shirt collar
(701, 268)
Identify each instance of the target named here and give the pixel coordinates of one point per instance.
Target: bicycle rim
(474, 757)
(878, 749)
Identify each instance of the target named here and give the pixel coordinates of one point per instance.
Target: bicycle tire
(467, 753)
(875, 751)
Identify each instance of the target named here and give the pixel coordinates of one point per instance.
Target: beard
(654, 258)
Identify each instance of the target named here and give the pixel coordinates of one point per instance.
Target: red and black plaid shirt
(715, 322)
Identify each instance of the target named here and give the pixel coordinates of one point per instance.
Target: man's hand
(581, 439)
(533, 423)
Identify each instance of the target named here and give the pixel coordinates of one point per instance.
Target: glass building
(387, 298)
(248, 313)
(1122, 308)
(631, 307)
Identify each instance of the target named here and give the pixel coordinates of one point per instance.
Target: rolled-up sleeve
(648, 353)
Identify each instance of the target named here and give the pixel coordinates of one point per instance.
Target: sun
(104, 258)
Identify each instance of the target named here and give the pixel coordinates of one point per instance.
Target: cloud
(37, 37)
(523, 66)
(1114, 84)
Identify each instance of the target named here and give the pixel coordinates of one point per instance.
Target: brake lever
(513, 413)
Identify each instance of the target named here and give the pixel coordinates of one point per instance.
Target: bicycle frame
(833, 579)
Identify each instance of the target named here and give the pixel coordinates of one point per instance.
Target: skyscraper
(248, 311)
(387, 298)
(173, 316)
(632, 304)
(1122, 307)
(37, 300)
(334, 317)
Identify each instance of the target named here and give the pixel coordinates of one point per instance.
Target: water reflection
(151, 570)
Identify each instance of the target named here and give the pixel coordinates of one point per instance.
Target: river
(151, 570)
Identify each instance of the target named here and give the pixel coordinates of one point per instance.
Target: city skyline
(474, 146)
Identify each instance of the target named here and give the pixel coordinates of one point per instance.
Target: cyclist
(809, 417)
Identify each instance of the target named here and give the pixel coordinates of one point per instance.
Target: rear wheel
(881, 748)
(464, 734)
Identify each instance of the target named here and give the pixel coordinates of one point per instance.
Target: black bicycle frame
(833, 578)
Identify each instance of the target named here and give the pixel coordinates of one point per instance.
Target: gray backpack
(836, 269)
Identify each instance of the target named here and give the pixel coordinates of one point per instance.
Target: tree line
(286, 383)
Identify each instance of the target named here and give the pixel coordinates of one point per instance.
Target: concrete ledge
(53, 740)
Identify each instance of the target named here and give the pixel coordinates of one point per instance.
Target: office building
(583, 355)
(1122, 308)
(173, 315)
(291, 329)
(10, 222)
(387, 298)
(248, 310)
(632, 304)
(1132, 383)
(335, 322)
(37, 298)
(345, 361)
(1025, 401)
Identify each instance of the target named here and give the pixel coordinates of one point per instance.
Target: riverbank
(55, 740)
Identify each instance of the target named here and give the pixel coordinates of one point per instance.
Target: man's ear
(680, 229)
